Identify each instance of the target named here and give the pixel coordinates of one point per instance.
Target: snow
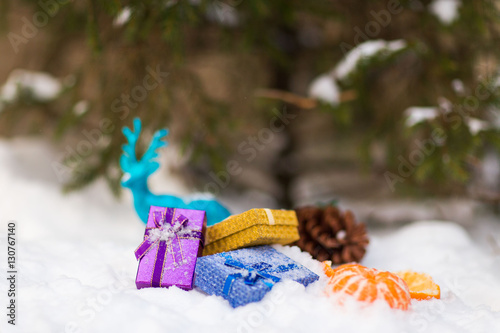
(476, 125)
(325, 89)
(458, 86)
(223, 14)
(488, 172)
(445, 10)
(77, 268)
(81, 107)
(445, 251)
(495, 81)
(122, 17)
(365, 50)
(42, 86)
(168, 232)
(418, 114)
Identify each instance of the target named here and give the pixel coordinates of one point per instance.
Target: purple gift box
(173, 240)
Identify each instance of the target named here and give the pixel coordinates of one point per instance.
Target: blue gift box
(246, 275)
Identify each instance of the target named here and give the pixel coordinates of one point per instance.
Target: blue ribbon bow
(253, 273)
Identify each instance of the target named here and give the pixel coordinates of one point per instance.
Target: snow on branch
(418, 114)
(325, 87)
(365, 50)
(445, 10)
(40, 86)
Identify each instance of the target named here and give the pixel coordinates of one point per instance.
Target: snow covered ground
(77, 267)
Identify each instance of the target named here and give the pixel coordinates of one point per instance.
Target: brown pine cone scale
(329, 234)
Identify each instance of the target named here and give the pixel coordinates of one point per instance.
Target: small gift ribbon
(253, 273)
(173, 231)
(270, 216)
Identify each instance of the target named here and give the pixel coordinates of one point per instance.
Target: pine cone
(328, 234)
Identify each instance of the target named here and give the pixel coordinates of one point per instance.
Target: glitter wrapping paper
(254, 227)
(179, 255)
(215, 277)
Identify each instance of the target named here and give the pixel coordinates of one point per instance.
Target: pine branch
(300, 101)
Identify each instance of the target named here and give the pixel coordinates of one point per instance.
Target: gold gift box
(254, 227)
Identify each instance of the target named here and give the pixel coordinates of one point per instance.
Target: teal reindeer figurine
(137, 173)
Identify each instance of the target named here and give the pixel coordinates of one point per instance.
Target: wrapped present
(246, 275)
(251, 228)
(172, 242)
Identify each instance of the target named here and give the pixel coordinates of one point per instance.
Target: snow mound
(445, 251)
(77, 270)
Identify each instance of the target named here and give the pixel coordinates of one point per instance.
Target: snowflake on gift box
(167, 232)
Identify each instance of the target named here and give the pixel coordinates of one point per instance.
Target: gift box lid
(212, 273)
(248, 219)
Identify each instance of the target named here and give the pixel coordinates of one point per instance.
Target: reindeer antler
(137, 172)
(155, 144)
(128, 158)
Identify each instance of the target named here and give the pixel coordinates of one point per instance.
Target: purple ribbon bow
(167, 233)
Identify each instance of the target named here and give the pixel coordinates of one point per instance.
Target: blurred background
(390, 107)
